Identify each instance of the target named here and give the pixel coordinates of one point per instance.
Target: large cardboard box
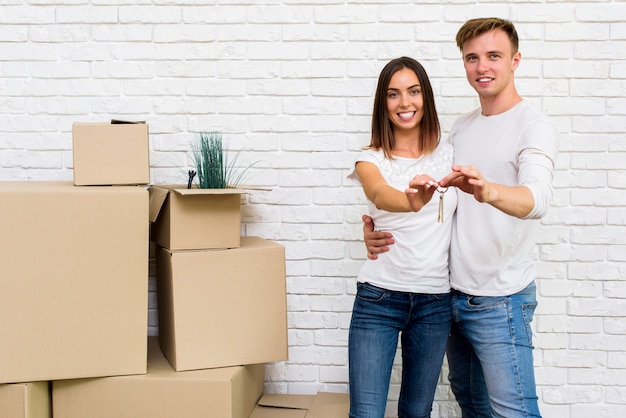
(321, 405)
(193, 219)
(110, 153)
(230, 392)
(222, 308)
(25, 400)
(73, 282)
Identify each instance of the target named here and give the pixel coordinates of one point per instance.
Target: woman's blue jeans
(378, 317)
(490, 354)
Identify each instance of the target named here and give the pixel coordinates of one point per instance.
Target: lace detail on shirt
(402, 170)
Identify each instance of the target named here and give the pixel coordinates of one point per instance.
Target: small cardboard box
(230, 392)
(221, 308)
(322, 405)
(110, 153)
(194, 219)
(25, 400)
(73, 282)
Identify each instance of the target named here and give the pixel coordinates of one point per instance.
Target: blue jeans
(378, 317)
(490, 354)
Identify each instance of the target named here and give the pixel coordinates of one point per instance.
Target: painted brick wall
(290, 82)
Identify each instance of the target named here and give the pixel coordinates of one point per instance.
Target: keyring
(441, 191)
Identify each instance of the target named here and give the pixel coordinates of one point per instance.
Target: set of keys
(441, 191)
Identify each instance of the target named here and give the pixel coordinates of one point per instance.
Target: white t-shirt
(491, 252)
(418, 261)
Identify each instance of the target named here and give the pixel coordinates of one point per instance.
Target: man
(504, 159)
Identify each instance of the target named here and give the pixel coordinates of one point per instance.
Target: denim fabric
(378, 317)
(490, 354)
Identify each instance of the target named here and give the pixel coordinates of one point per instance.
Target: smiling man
(504, 160)
(504, 154)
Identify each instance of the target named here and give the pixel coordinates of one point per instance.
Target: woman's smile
(406, 116)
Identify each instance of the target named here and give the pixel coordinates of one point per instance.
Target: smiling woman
(395, 295)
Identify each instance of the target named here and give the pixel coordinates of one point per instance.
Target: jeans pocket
(486, 302)
(369, 293)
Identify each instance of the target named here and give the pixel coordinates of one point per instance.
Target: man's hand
(470, 180)
(516, 201)
(376, 242)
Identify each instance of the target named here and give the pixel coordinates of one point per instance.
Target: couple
(450, 263)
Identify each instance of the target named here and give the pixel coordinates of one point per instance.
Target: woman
(406, 291)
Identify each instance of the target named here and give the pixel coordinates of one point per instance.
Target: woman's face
(405, 103)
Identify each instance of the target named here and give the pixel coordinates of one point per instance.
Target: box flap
(322, 405)
(282, 406)
(287, 401)
(157, 198)
(158, 194)
(270, 412)
(329, 405)
(183, 191)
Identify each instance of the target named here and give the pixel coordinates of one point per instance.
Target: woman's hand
(420, 191)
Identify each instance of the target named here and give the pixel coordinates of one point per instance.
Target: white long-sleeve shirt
(491, 252)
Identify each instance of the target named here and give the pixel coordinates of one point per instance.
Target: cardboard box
(25, 400)
(110, 153)
(322, 405)
(162, 393)
(222, 308)
(193, 219)
(73, 282)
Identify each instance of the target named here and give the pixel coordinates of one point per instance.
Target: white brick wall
(291, 82)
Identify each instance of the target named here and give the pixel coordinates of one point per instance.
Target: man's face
(490, 63)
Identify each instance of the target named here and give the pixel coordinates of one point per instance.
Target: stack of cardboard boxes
(74, 293)
(222, 297)
(73, 286)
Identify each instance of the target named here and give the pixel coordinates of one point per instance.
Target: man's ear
(517, 57)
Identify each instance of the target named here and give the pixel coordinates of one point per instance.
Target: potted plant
(213, 168)
(203, 217)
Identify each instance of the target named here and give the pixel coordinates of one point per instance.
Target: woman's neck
(407, 145)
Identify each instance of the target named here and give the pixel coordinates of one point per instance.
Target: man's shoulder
(531, 115)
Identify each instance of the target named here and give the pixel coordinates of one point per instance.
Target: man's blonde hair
(476, 27)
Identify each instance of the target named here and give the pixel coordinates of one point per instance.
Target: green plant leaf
(214, 171)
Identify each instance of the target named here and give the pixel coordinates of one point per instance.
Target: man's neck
(495, 105)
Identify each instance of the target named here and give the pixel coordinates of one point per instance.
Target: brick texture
(290, 84)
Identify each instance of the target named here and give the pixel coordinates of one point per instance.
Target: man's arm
(376, 242)
(516, 201)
